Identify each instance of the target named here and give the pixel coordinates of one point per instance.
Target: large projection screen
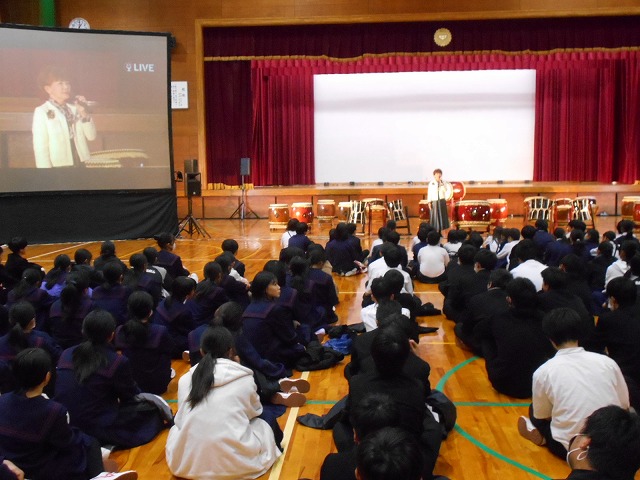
(399, 127)
(83, 111)
(85, 135)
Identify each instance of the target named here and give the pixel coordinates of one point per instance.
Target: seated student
(412, 266)
(480, 308)
(597, 268)
(618, 331)
(268, 328)
(274, 387)
(454, 242)
(35, 433)
(395, 282)
(556, 250)
(626, 228)
(97, 387)
(433, 260)
(107, 255)
(217, 432)
(391, 260)
(236, 291)
(290, 232)
(511, 237)
(452, 288)
(513, 343)
(16, 261)
(393, 238)
(618, 268)
(209, 294)
(542, 237)
(591, 242)
(570, 386)
(376, 244)
(230, 245)
(577, 280)
(375, 411)
(167, 259)
(526, 233)
(23, 335)
(300, 239)
(323, 288)
(28, 290)
(495, 240)
(389, 454)
(380, 293)
(341, 252)
(528, 265)
(138, 278)
(6, 281)
(607, 447)
(175, 313)
(112, 296)
(54, 280)
(307, 311)
(355, 242)
(157, 271)
(68, 312)
(148, 346)
(231, 259)
(82, 263)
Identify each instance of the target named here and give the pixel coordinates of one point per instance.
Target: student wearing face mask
(607, 447)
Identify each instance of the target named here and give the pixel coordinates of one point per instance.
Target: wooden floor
(485, 443)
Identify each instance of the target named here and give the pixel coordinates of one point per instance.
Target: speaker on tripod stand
(193, 188)
(243, 209)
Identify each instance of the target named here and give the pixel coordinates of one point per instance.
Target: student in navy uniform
(300, 239)
(112, 296)
(107, 255)
(82, 263)
(209, 294)
(34, 431)
(341, 252)
(147, 346)
(167, 259)
(54, 280)
(236, 291)
(269, 330)
(175, 314)
(23, 335)
(137, 278)
(28, 289)
(68, 312)
(308, 312)
(230, 245)
(323, 288)
(96, 385)
(16, 261)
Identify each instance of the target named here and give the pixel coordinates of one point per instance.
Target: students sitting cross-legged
(112, 295)
(28, 289)
(35, 433)
(217, 432)
(209, 294)
(175, 313)
(96, 385)
(138, 278)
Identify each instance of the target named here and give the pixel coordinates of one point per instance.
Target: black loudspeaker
(245, 166)
(193, 185)
(191, 165)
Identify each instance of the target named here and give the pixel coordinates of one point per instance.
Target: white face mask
(580, 456)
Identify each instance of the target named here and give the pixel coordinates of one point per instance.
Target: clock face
(79, 23)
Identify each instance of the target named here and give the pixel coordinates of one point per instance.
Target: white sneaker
(300, 384)
(128, 475)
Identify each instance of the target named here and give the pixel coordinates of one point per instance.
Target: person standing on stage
(439, 193)
(61, 130)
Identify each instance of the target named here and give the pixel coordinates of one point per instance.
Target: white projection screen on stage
(399, 127)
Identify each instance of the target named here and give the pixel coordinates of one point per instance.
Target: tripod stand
(189, 224)
(243, 209)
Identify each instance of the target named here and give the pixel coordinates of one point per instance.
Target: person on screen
(62, 125)
(439, 193)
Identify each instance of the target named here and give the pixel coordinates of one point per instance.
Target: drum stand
(243, 209)
(190, 224)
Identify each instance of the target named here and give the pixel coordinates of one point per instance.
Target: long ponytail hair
(61, 266)
(140, 306)
(30, 279)
(216, 342)
(71, 294)
(89, 356)
(20, 316)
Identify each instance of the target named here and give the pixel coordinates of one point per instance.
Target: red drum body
(631, 209)
(326, 210)
(344, 210)
(499, 211)
(424, 210)
(459, 191)
(472, 214)
(303, 211)
(278, 215)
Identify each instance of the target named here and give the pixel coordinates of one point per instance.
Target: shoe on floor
(286, 384)
(292, 399)
(128, 475)
(528, 431)
(186, 357)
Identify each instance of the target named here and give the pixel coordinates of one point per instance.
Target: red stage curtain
(586, 107)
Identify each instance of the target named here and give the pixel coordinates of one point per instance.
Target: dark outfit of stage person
(104, 405)
(438, 194)
(202, 305)
(236, 291)
(151, 360)
(619, 332)
(172, 263)
(114, 300)
(481, 307)
(36, 436)
(15, 267)
(556, 251)
(341, 254)
(39, 299)
(67, 332)
(514, 346)
(178, 319)
(8, 353)
(271, 332)
(323, 292)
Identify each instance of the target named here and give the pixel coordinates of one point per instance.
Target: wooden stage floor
(485, 443)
